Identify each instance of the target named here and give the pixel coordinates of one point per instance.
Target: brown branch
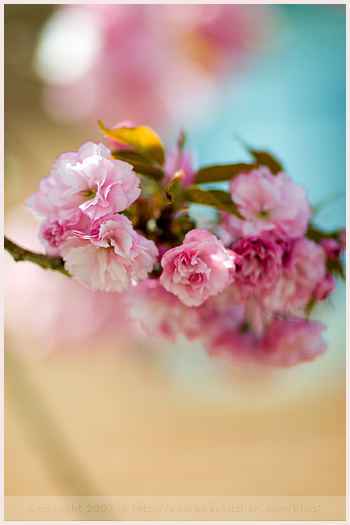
(48, 262)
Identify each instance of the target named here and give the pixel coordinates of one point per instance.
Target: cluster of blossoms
(80, 201)
(121, 221)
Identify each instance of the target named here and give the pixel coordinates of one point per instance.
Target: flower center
(263, 214)
(89, 193)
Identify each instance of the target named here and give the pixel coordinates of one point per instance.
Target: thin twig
(48, 262)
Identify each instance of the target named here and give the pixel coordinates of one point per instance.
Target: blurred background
(92, 407)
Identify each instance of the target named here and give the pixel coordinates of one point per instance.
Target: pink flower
(111, 260)
(325, 287)
(197, 269)
(216, 315)
(160, 313)
(232, 228)
(172, 60)
(306, 269)
(260, 265)
(290, 341)
(270, 202)
(281, 296)
(332, 248)
(46, 312)
(238, 345)
(52, 234)
(224, 329)
(86, 183)
(303, 278)
(178, 159)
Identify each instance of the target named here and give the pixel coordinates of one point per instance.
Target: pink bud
(332, 248)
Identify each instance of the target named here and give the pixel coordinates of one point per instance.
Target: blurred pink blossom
(304, 278)
(161, 313)
(290, 341)
(147, 63)
(286, 342)
(177, 159)
(46, 312)
(238, 345)
(306, 269)
(332, 248)
(270, 203)
(325, 287)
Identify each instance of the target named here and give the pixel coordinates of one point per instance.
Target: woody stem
(48, 262)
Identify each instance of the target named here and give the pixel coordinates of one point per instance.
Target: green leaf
(222, 172)
(174, 187)
(141, 166)
(266, 159)
(216, 198)
(310, 306)
(316, 235)
(263, 158)
(335, 266)
(142, 138)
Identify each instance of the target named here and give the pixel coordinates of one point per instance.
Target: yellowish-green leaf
(335, 267)
(263, 158)
(142, 138)
(174, 186)
(222, 172)
(141, 166)
(266, 159)
(316, 234)
(221, 200)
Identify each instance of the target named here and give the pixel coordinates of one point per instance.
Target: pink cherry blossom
(232, 228)
(303, 278)
(260, 265)
(332, 248)
(238, 345)
(290, 341)
(52, 234)
(280, 297)
(161, 313)
(270, 203)
(325, 287)
(219, 314)
(87, 182)
(179, 159)
(47, 312)
(224, 328)
(111, 260)
(197, 269)
(306, 269)
(173, 58)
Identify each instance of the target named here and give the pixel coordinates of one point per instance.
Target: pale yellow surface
(134, 427)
